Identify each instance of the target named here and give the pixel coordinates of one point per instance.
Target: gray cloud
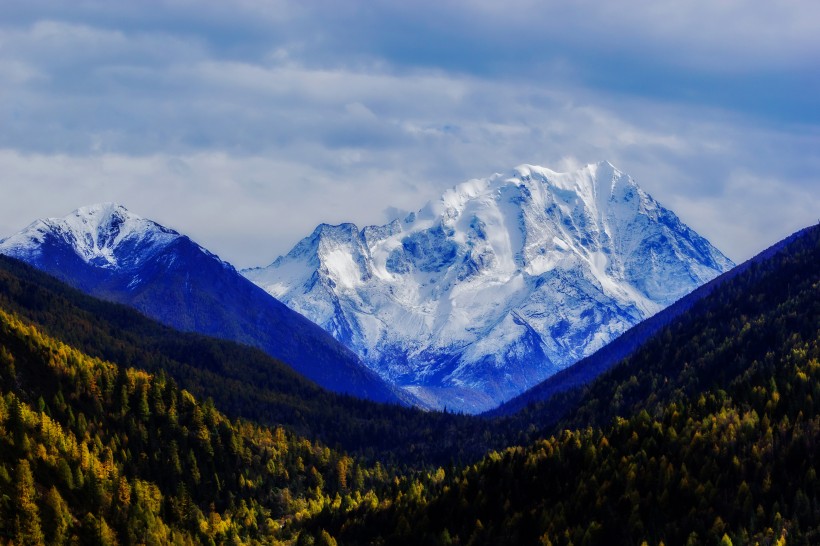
(246, 124)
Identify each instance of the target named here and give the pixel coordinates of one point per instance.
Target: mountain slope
(499, 284)
(96, 453)
(111, 253)
(587, 369)
(707, 434)
(243, 381)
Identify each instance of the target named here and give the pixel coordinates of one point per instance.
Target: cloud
(246, 209)
(720, 35)
(754, 212)
(273, 118)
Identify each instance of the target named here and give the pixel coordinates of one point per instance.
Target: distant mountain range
(479, 296)
(705, 433)
(497, 285)
(109, 252)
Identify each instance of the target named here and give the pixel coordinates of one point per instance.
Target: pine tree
(27, 518)
(56, 517)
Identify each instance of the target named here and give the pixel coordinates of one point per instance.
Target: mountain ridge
(500, 283)
(589, 368)
(106, 251)
(244, 382)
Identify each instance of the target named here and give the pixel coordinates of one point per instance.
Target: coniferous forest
(114, 430)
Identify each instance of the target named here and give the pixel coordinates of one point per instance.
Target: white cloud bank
(245, 127)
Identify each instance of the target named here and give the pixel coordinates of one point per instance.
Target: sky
(245, 124)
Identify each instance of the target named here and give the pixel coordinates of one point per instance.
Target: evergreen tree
(27, 528)
(56, 517)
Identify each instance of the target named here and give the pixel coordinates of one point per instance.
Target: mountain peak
(501, 281)
(593, 178)
(99, 218)
(102, 210)
(532, 178)
(104, 234)
(333, 231)
(603, 164)
(109, 252)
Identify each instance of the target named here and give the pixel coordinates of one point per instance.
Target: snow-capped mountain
(108, 252)
(104, 237)
(500, 283)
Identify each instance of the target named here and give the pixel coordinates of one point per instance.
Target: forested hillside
(103, 454)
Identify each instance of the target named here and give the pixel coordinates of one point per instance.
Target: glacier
(498, 284)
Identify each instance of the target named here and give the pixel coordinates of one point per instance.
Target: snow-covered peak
(595, 184)
(93, 217)
(104, 234)
(496, 284)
